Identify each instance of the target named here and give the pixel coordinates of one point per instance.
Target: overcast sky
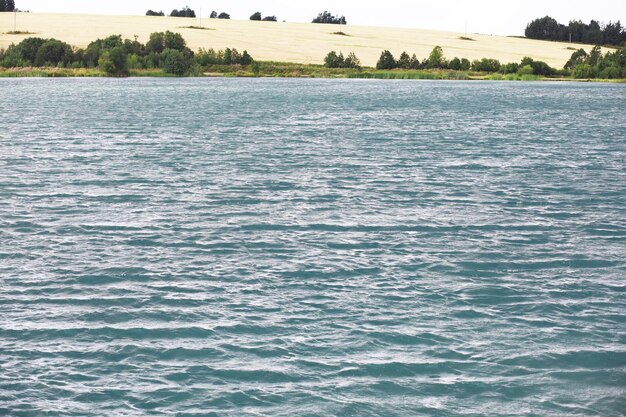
(496, 17)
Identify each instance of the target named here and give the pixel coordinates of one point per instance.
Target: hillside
(281, 41)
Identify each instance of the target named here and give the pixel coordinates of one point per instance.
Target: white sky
(497, 17)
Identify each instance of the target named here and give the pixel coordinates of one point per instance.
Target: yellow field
(287, 42)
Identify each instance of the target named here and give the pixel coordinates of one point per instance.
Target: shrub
(223, 15)
(612, 73)
(256, 16)
(270, 19)
(153, 13)
(583, 71)
(526, 70)
(386, 61)
(11, 58)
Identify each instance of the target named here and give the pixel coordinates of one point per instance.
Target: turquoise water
(205, 247)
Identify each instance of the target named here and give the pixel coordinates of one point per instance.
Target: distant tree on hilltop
(257, 16)
(186, 12)
(223, 15)
(7, 5)
(153, 13)
(547, 28)
(326, 17)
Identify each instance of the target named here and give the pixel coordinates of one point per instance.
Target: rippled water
(207, 247)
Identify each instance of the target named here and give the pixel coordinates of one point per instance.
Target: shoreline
(294, 71)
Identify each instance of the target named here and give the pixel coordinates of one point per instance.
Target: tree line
(116, 56)
(437, 60)
(323, 17)
(612, 65)
(547, 28)
(7, 5)
(187, 12)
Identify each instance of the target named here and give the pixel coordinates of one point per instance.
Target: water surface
(206, 247)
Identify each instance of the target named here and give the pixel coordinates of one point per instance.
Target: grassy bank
(291, 70)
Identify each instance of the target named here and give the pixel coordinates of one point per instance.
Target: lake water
(259, 247)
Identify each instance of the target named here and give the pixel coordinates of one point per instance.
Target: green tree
(223, 15)
(594, 56)
(175, 62)
(543, 28)
(245, 59)
(332, 60)
(436, 58)
(583, 71)
(510, 68)
(134, 47)
(526, 70)
(156, 43)
(404, 61)
(185, 12)
(114, 62)
(352, 61)
(326, 17)
(455, 64)
(577, 57)
(7, 5)
(386, 61)
(256, 16)
(11, 58)
(53, 52)
(28, 49)
(227, 59)
(173, 40)
(486, 65)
